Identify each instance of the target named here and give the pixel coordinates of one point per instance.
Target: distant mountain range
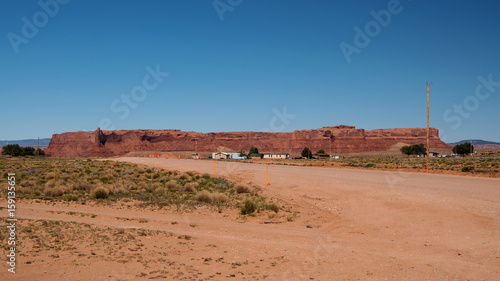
(474, 142)
(479, 144)
(27, 142)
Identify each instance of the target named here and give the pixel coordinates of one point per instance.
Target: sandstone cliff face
(344, 139)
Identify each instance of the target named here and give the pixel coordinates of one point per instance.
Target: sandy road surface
(376, 224)
(365, 225)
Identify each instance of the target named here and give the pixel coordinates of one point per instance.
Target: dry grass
(190, 187)
(131, 252)
(243, 188)
(100, 192)
(172, 185)
(220, 198)
(53, 191)
(204, 196)
(82, 180)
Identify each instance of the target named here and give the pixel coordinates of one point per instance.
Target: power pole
(38, 147)
(428, 148)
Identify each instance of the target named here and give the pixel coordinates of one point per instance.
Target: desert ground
(344, 224)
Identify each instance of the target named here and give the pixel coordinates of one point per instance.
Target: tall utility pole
(428, 148)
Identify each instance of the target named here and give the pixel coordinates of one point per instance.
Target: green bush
(272, 207)
(71, 197)
(467, 169)
(463, 149)
(248, 207)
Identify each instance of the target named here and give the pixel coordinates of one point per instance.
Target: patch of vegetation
(81, 180)
(416, 149)
(16, 150)
(467, 169)
(463, 149)
(100, 192)
(248, 207)
(242, 188)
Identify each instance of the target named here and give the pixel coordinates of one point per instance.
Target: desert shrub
(142, 186)
(222, 183)
(204, 196)
(27, 183)
(172, 185)
(190, 187)
(50, 183)
(4, 187)
(70, 197)
(156, 185)
(205, 176)
(145, 196)
(248, 207)
(67, 187)
(272, 207)
(127, 172)
(31, 171)
(100, 192)
(202, 181)
(105, 179)
(85, 186)
(242, 188)
(220, 198)
(129, 185)
(119, 190)
(53, 191)
(467, 169)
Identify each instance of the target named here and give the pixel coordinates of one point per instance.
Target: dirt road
(380, 224)
(351, 225)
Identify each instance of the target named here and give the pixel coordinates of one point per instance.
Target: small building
(322, 156)
(221, 155)
(255, 156)
(434, 154)
(237, 156)
(276, 155)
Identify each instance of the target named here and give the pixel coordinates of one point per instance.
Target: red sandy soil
(364, 225)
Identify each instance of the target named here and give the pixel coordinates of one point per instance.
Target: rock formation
(344, 139)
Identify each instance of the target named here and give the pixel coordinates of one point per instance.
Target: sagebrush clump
(248, 207)
(100, 192)
(243, 188)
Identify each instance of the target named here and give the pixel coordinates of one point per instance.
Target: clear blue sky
(232, 70)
